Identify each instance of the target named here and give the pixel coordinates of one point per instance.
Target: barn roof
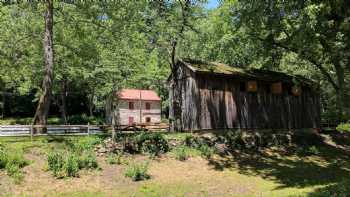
(137, 94)
(259, 74)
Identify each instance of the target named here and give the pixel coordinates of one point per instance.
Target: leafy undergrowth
(12, 160)
(77, 155)
(317, 170)
(345, 127)
(74, 119)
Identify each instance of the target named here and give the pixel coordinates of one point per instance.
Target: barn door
(131, 120)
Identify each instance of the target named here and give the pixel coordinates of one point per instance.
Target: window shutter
(252, 86)
(296, 90)
(276, 88)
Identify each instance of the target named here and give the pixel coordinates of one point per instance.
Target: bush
(68, 164)
(84, 119)
(206, 151)
(137, 172)
(191, 141)
(312, 150)
(12, 161)
(181, 153)
(85, 144)
(71, 167)
(233, 139)
(14, 172)
(56, 162)
(344, 127)
(151, 143)
(339, 189)
(88, 160)
(114, 159)
(3, 158)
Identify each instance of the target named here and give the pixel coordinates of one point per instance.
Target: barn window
(148, 106)
(148, 119)
(296, 90)
(252, 86)
(131, 105)
(242, 86)
(276, 88)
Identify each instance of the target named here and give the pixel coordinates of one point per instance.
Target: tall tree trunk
(175, 96)
(63, 104)
(2, 102)
(91, 103)
(340, 91)
(43, 107)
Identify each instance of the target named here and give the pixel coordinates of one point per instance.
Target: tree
(168, 22)
(316, 31)
(42, 110)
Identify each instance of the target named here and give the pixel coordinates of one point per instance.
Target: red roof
(134, 94)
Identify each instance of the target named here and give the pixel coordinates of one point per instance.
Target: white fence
(29, 130)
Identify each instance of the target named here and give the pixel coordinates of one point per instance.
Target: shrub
(56, 162)
(85, 143)
(151, 143)
(88, 160)
(68, 164)
(114, 159)
(344, 127)
(137, 172)
(339, 189)
(206, 151)
(14, 171)
(313, 150)
(233, 139)
(84, 119)
(3, 158)
(12, 161)
(16, 158)
(191, 141)
(181, 153)
(71, 167)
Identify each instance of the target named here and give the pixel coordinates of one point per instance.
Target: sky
(212, 4)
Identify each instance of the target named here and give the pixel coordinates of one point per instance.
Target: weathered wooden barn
(134, 106)
(218, 96)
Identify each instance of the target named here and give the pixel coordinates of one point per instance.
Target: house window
(148, 106)
(131, 120)
(148, 119)
(131, 105)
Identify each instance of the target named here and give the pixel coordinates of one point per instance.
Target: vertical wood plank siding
(210, 102)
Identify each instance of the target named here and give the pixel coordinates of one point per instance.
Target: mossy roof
(258, 74)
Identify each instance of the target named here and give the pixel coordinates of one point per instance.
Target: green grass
(307, 171)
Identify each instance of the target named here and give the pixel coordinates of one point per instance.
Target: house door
(131, 120)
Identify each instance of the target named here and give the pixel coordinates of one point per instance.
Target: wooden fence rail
(28, 130)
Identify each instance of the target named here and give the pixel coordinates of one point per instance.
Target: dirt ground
(273, 172)
(169, 177)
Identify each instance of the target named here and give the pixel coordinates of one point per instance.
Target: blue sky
(212, 4)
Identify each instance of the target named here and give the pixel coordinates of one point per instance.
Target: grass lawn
(272, 172)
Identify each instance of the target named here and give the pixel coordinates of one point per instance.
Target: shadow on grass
(290, 168)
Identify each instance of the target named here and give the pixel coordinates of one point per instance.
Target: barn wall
(124, 112)
(210, 102)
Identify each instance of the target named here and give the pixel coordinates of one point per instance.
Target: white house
(134, 106)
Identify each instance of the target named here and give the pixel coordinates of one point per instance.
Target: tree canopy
(100, 47)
